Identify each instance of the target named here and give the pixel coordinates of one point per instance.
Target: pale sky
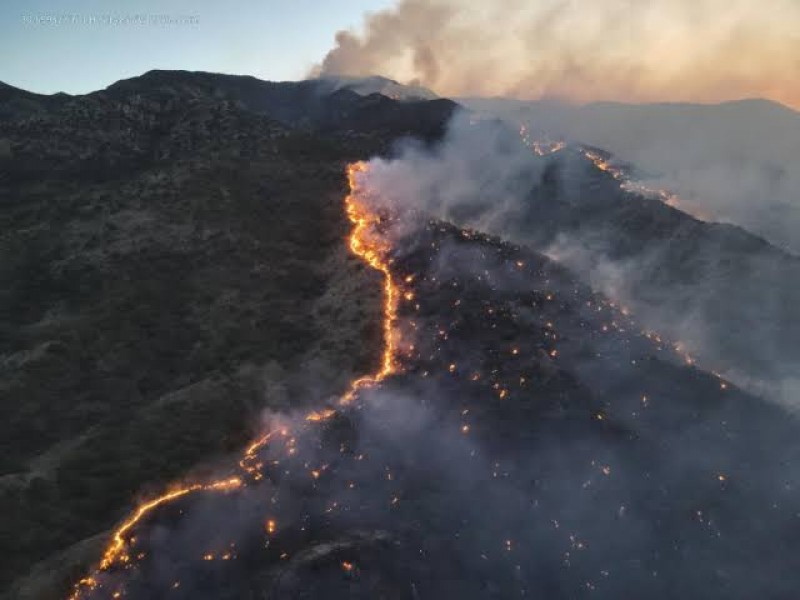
(270, 39)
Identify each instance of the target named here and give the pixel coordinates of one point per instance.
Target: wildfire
(322, 415)
(374, 250)
(634, 187)
(271, 526)
(540, 147)
(115, 552)
(547, 147)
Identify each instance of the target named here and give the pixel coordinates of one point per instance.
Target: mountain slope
(736, 161)
(176, 279)
(727, 295)
(173, 262)
(379, 85)
(310, 104)
(723, 291)
(528, 440)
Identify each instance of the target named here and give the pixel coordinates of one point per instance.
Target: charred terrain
(436, 412)
(729, 295)
(736, 161)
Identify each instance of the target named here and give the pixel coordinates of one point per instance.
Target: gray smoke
(737, 162)
(738, 314)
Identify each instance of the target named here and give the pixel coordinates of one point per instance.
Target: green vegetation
(169, 270)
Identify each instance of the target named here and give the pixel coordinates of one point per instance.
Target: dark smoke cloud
(736, 164)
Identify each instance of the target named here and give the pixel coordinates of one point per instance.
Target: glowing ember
(323, 415)
(634, 187)
(115, 552)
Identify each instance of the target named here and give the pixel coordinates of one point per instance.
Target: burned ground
(535, 442)
(174, 268)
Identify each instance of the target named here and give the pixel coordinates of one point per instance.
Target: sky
(270, 39)
(575, 50)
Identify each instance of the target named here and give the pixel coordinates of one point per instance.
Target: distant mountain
(321, 105)
(313, 104)
(15, 102)
(737, 162)
(366, 86)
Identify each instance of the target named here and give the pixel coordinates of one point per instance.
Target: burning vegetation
(365, 242)
(521, 436)
(604, 162)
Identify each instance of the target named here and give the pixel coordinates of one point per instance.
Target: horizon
(542, 100)
(621, 53)
(84, 45)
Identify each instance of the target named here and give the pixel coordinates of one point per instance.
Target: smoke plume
(680, 50)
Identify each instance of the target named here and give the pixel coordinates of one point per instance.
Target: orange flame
(635, 187)
(115, 552)
(322, 415)
(367, 245)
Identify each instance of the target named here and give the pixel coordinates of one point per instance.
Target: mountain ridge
(177, 266)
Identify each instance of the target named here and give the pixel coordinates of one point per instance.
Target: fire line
(365, 242)
(373, 251)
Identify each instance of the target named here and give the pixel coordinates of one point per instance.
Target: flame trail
(115, 552)
(545, 147)
(373, 250)
(366, 243)
(635, 187)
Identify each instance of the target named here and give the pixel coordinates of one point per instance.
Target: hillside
(726, 295)
(527, 439)
(735, 162)
(452, 404)
(173, 264)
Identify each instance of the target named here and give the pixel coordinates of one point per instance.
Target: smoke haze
(737, 162)
(676, 50)
(734, 163)
(720, 292)
(522, 451)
